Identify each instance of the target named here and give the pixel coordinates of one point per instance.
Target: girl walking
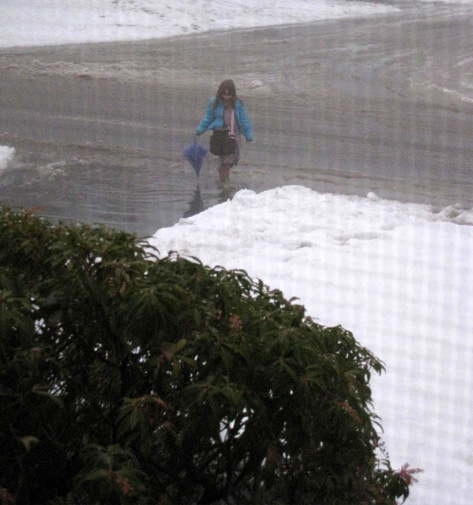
(226, 110)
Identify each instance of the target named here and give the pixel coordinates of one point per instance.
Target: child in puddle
(222, 108)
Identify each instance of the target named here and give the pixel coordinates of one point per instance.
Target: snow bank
(6, 154)
(399, 276)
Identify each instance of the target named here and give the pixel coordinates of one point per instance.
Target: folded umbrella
(195, 155)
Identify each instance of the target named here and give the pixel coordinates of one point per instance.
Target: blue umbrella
(195, 155)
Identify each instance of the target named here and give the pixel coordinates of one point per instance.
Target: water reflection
(225, 195)
(196, 204)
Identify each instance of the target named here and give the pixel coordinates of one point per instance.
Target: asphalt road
(381, 104)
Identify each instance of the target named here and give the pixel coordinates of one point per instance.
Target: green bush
(130, 380)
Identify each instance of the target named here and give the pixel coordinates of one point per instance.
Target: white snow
(399, 276)
(6, 154)
(39, 22)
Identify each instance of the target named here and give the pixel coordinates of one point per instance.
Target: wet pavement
(381, 104)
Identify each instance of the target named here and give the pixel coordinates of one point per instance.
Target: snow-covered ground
(399, 276)
(40, 22)
(6, 154)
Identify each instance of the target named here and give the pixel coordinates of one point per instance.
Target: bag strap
(232, 123)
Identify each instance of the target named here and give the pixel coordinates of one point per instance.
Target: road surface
(381, 104)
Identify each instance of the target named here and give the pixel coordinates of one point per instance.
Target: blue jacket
(214, 119)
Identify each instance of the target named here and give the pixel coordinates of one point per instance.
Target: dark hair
(226, 85)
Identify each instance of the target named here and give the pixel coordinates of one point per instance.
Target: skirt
(231, 159)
